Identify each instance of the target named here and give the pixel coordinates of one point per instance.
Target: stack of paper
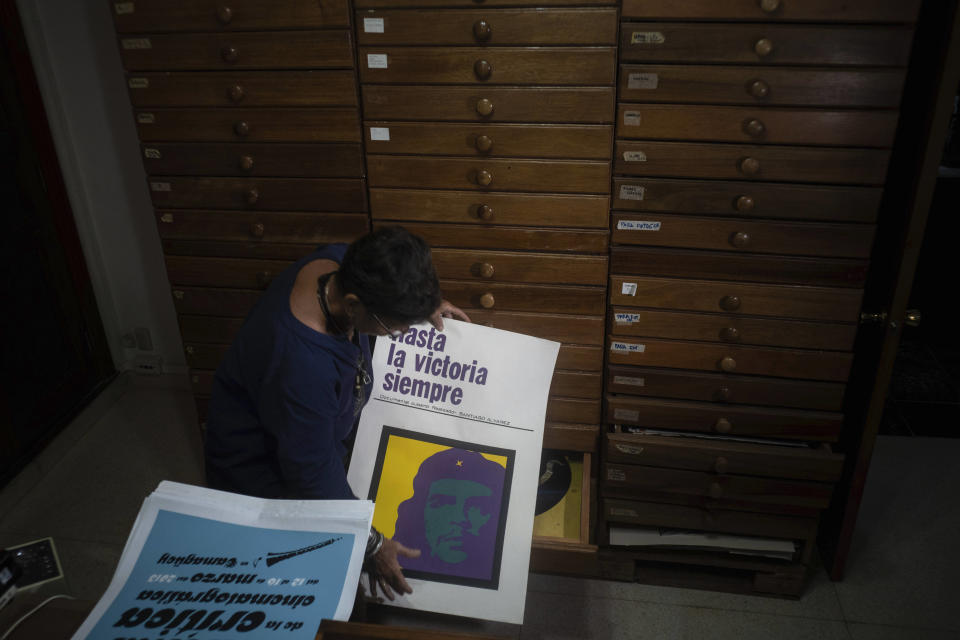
(745, 545)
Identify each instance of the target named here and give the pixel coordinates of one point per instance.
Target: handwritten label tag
(627, 380)
(376, 61)
(373, 25)
(638, 225)
(643, 81)
(631, 118)
(617, 475)
(123, 8)
(138, 83)
(634, 156)
(630, 415)
(160, 186)
(146, 118)
(626, 318)
(136, 43)
(647, 37)
(380, 133)
(627, 347)
(624, 513)
(632, 192)
(629, 289)
(167, 217)
(153, 154)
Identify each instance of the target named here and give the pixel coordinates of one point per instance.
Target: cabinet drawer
(573, 410)
(209, 329)
(577, 384)
(253, 50)
(249, 125)
(230, 273)
(273, 194)
(490, 208)
(583, 330)
(724, 387)
(626, 480)
(500, 65)
(760, 85)
(756, 200)
(752, 162)
(764, 43)
(674, 516)
(326, 88)
(243, 226)
(490, 140)
(175, 15)
(515, 297)
(503, 266)
(231, 249)
(558, 176)
(737, 234)
(228, 303)
(751, 124)
(204, 356)
(802, 10)
(722, 457)
(832, 366)
(731, 329)
(243, 159)
(393, 4)
(594, 105)
(808, 303)
(684, 263)
(201, 382)
(462, 236)
(724, 419)
(588, 358)
(488, 27)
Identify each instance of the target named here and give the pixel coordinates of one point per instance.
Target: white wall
(74, 51)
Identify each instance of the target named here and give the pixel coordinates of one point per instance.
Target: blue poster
(199, 578)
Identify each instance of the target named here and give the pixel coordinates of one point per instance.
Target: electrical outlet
(148, 365)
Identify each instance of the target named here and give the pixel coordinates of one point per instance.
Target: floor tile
(860, 631)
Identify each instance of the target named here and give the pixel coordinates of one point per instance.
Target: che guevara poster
(448, 449)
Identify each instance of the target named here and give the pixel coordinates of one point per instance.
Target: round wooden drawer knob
(763, 47)
(724, 394)
(730, 334)
(487, 301)
(190, 350)
(178, 294)
(242, 129)
(229, 54)
(750, 166)
(224, 14)
(486, 270)
(720, 465)
(246, 163)
(483, 143)
(754, 128)
(484, 107)
(489, 324)
(758, 89)
(769, 6)
(485, 212)
(722, 425)
(482, 30)
(728, 364)
(740, 239)
(237, 93)
(715, 490)
(482, 69)
(743, 203)
(252, 196)
(256, 229)
(730, 303)
(484, 178)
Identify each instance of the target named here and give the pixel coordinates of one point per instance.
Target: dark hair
(392, 273)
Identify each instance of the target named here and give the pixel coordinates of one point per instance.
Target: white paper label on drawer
(624, 513)
(629, 289)
(642, 81)
(380, 133)
(376, 61)
(123, 8)
(630, 381)
(627, 347)
(647, 37)
(634, 156)
(138, 83)
(167, 217)
(617, 475)
(373, 25)
(153, 154)
(632, 192)
(160, 186)
(146, 118)
(638, 225)
(630, 415)
(626, 318)
(136, 43)
(632, 118)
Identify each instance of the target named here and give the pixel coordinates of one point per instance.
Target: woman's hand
(447, 310)
(387, 571)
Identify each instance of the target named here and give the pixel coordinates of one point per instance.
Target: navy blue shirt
(284, 402)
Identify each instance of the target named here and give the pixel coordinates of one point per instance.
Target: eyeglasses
(393, 333)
